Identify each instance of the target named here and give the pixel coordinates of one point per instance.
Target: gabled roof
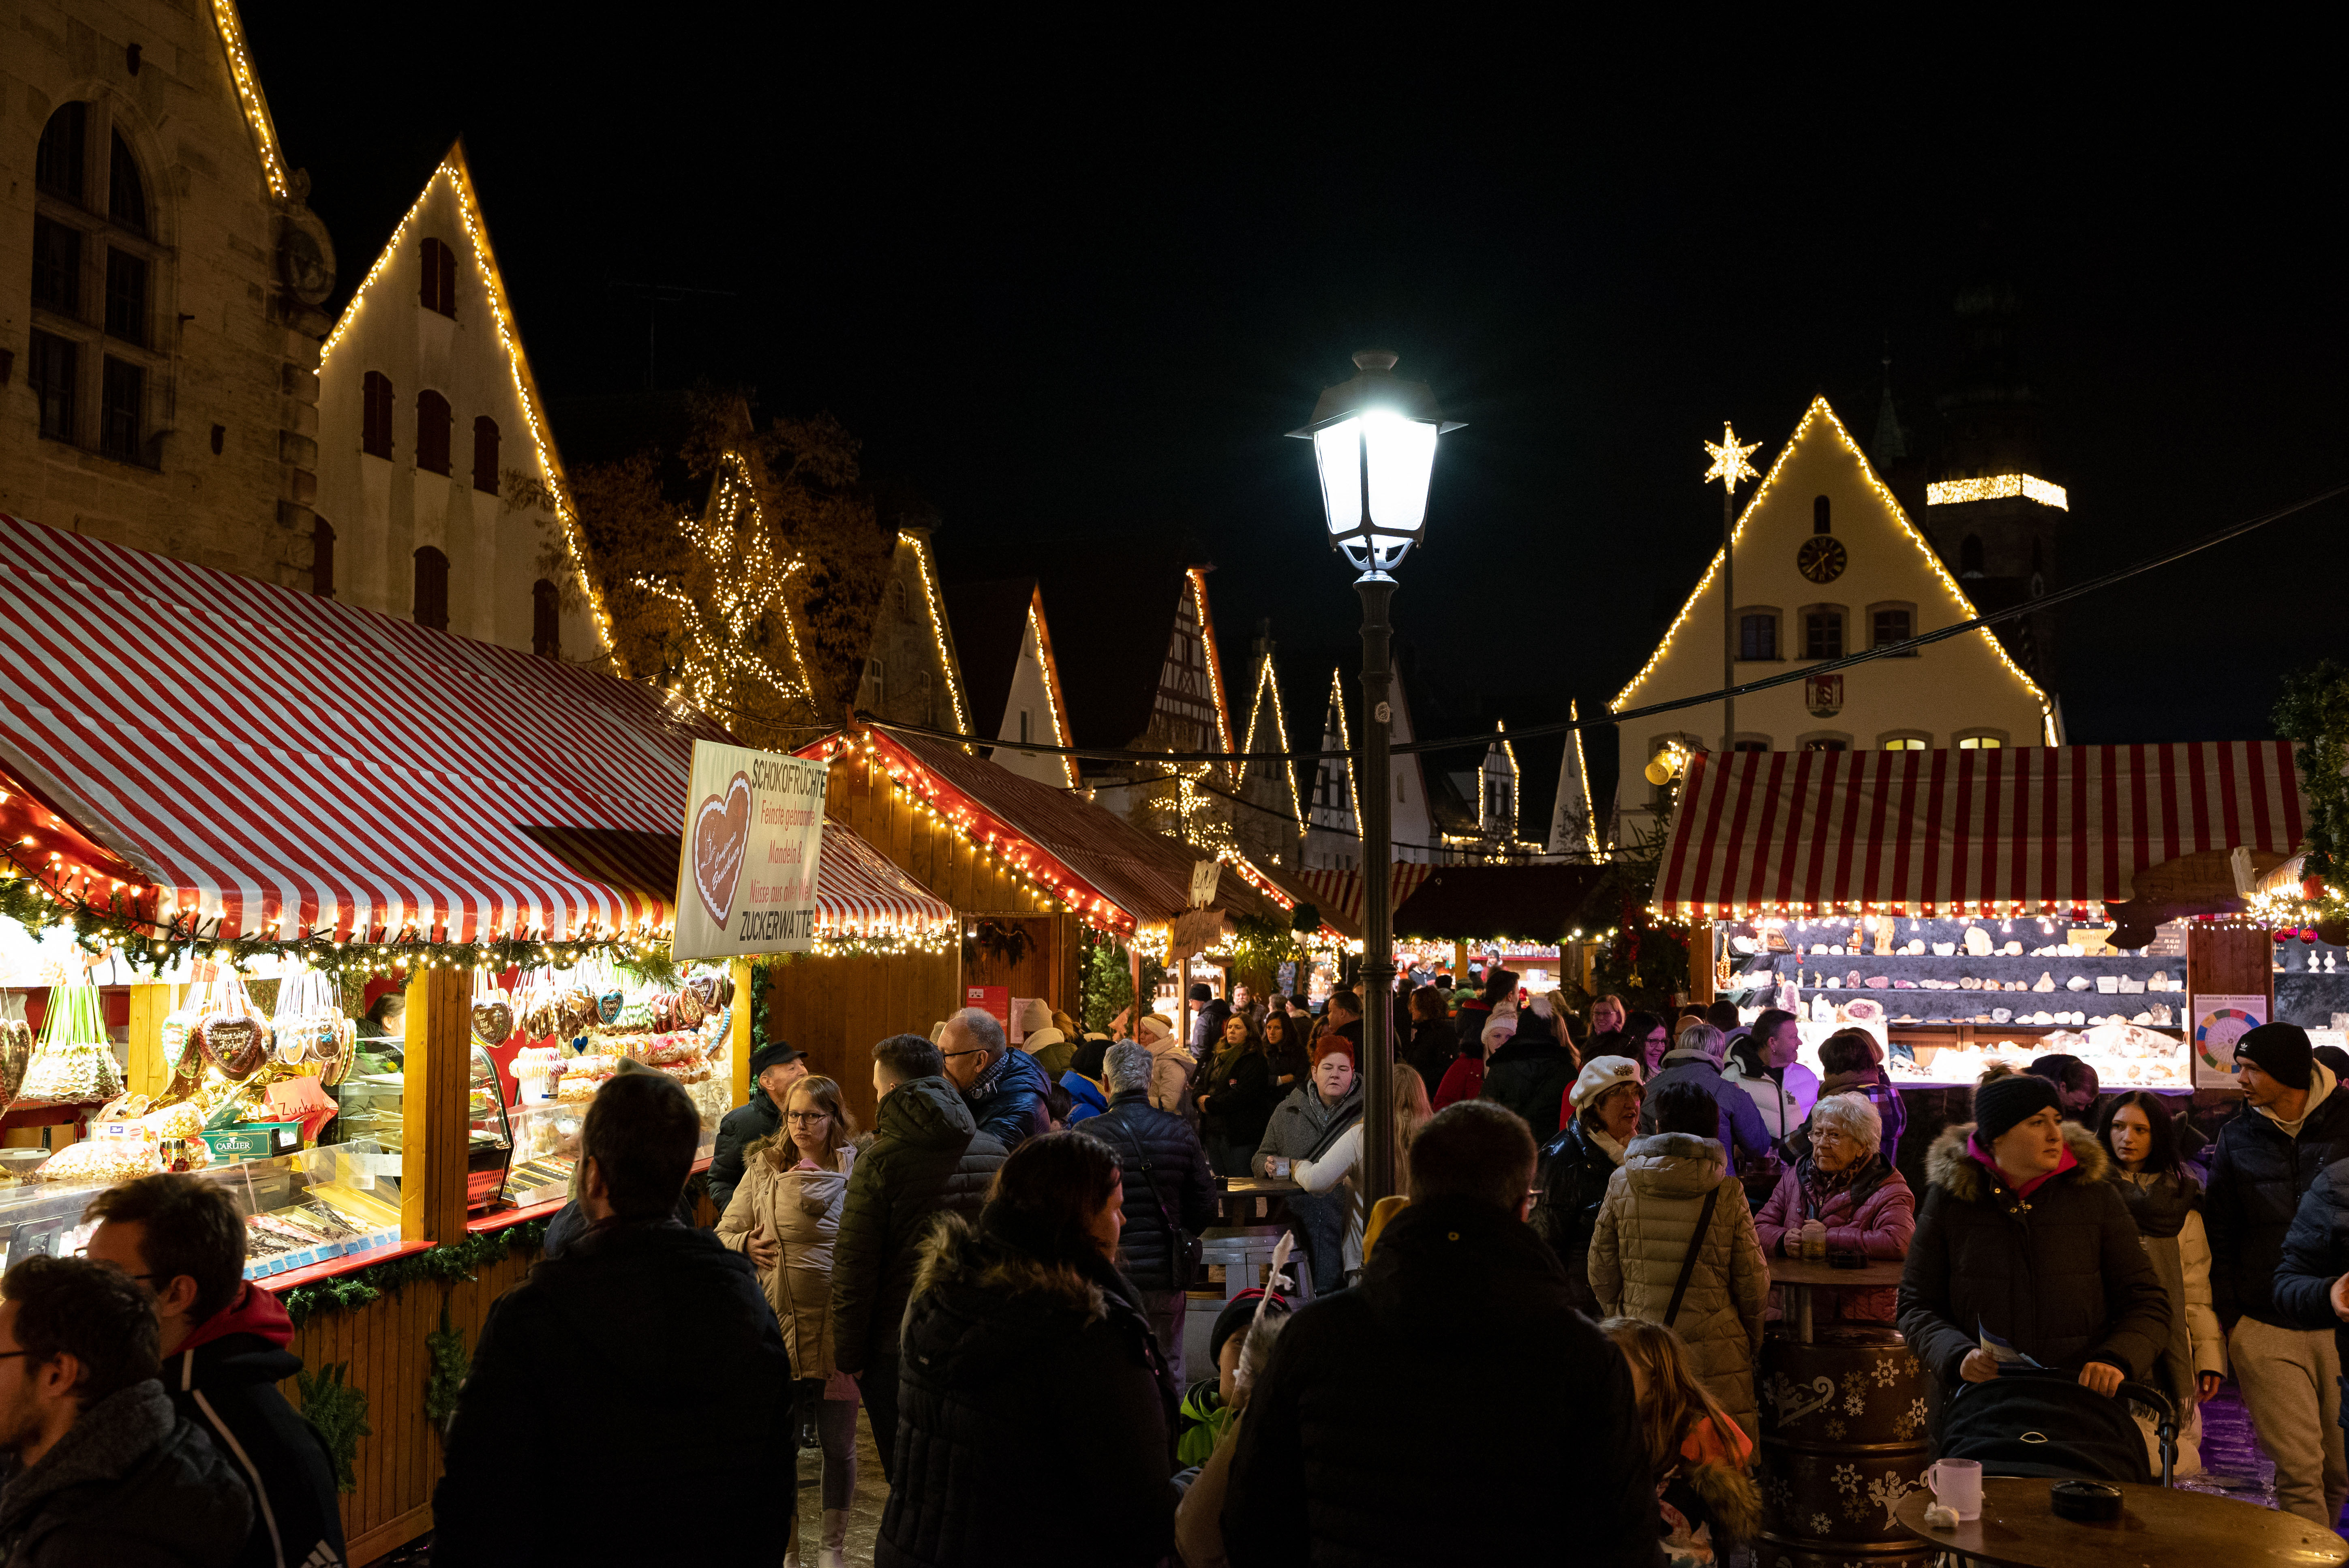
(241, 71)
(1111, 619)
(1267, 728)
(990, 627)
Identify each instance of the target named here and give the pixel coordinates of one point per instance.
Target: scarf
(1600, 1141)
(1820, 1184)
(1982, 1157)
(2159, 1203)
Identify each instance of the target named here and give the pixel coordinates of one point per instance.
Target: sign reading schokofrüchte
(753, 836)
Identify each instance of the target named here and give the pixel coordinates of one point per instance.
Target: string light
(1266, 683)
(1996, 487)
(248, 94)
(747, 581)
(1207, 625)
(939, 629)
(1729, 465)
(1345, 744)
(1583, 774)
(1052, 671)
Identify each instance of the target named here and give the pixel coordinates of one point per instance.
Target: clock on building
(1821, 560)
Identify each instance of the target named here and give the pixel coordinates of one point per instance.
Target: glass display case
(489, 1135)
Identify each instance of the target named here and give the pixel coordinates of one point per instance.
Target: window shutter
(485, 453)
(431, 607)
(448, 281)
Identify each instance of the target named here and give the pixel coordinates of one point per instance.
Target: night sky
(1058, 311)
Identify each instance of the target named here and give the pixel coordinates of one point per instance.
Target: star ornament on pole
(1729, 465)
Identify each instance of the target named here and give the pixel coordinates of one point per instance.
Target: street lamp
(1374, 443)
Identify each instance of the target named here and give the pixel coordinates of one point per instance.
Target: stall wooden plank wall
(836, 1008)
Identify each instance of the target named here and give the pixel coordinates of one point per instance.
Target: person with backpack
(1170, 1193)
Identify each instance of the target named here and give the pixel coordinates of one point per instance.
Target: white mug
(1957, 1486)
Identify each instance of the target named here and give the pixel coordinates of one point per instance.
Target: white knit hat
(1501, 1028)
(1600, 1074)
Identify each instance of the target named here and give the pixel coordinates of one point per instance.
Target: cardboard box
(255, 1140)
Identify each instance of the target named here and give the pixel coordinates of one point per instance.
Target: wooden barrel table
(1843, 1441)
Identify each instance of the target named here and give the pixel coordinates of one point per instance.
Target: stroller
(2030, 1422)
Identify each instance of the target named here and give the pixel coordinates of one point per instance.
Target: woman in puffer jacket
(1842, 1187)
(784, 1216)
(1646, 1228)
(2165, 1200)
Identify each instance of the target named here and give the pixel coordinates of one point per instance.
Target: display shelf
(349, 1262)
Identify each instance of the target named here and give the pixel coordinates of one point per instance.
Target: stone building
(159, 319)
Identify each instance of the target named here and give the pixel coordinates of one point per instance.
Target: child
(1706, 1504)
(1207, 1404)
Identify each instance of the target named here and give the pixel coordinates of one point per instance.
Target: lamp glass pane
(1402, 457)
(1337, 453)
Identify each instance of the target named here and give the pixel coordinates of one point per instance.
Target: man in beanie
(774, 1069)
(2267, 1158)
(1207, 1023)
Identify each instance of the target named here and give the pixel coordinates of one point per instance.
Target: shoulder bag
(1185, 1252)
(1688, 1264)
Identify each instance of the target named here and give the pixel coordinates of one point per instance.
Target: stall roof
(1531, 903)
(2034, 829)
(265, 756)
(1339, 895)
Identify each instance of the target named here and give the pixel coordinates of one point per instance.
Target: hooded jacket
(745, 1124)
(925, 1156)
(1530, 1074)
(1574, 1185)
(643, 1326)
(1315, 1476)
(800, 1207)
(1009, 1359)
(2259, 1173)
(1644, 1228)
(1086, 1100)
(130, 1485)
(223, 1381)
(1740, 1119)
(2059, 1274)
(1178, 1190)
(1007, 1101)
(1874, 1213)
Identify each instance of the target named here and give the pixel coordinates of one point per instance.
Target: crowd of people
(997, 1271)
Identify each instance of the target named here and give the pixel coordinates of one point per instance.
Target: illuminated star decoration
(746, 582)
(1729, 465)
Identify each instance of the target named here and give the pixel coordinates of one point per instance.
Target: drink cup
(1278, 1166)
(1957, 1486)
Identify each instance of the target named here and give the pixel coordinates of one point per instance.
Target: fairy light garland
(248, 95)
(1264, 683)
(749, 582)
(1207, 654)
(1051, 669)
(938, 628)
(1345, 744)
(1996, 487)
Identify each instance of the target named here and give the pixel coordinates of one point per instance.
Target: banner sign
(2219, 1022)
(753, 836)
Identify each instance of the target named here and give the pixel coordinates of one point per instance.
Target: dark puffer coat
(1530, 1077)
(2317, 1254)
(1139, 1131)
(2059, 1275)
(1433, 1046)
(2257, 1176)
(1316, 1479)
(1009, 1361)
(925, 1157)
(130, 1486)
(1007, 1101)
(745, 1124)
(1241, 1096)
(1574, 1185)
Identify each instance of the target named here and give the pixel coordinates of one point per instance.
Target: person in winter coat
(1468, 1025)
(1052, 1046)
(1207, 1023)
(223, 1342)
(925, 1156)
(1307, 1126)
(1695, 1058)
(1465, 1079)
(1003, 1087)
(1209, 1404)
(1171, 1067)
(1706, 1504)
(1841, 1189)
(785, 1217)
(1024, 1342)
(1606, 1016)
(2162, 1194)
(2312, 1280)
(98, 1468)
(1235, 1097)
(2022, 1237)
(1647, 1039)
(1532, 1073)
(1602, 1111)
(1169, 1189)
(1243, 1340)
(1762, 1064)
(1434, 1043)
(1336, 1167)
(2266, 1159)
(1852, 1063)
(674, 1332)
(1086, 1097)
(1673, 1193)
(774, 1069)
(1315, 1475)
(1285, 1059)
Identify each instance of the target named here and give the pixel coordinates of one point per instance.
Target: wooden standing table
(1236, 1195)
(2156, 1525)
(1799, 1277)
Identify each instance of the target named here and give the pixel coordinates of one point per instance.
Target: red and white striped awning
(859, 891)
(271, 758)
(2036, 828)
(1341, 893)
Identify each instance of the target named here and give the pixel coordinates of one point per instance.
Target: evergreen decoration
(758, 1005)
(1107, 979)
(1260, 944)
(1305, 918)
(2315, 712)
(1003, 942)
(452, 1261)
(338, 1411)
(450, 1363)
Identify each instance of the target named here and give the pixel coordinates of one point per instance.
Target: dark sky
(1059, 311)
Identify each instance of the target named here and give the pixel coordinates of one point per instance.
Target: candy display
(73, 1062)
(15, 1047)
(312, 1033)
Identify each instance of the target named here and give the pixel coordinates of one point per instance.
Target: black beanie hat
(1237, 1314)
(1202, 992)
(2282, 1051)
(2001, 1102)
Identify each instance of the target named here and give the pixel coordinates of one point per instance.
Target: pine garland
(339, 1413)
(450, 1363)
(2315, 712)
(449, 1261)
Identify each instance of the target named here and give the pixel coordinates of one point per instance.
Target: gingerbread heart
(16, 1055)
(721, 835)
(494, 1022)
(236, 1045)
(608, 1005)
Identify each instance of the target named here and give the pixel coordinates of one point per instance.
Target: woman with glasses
(783, 1217)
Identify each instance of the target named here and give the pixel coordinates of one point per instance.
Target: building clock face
(1821, 560)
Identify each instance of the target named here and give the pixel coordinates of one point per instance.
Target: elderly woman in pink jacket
(1843, 1193)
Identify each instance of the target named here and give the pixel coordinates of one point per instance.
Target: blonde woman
(783, 1217)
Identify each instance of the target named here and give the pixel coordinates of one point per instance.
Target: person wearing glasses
(774, 1069)
(223, 1344)
(1004, 1088)
(99, 1468)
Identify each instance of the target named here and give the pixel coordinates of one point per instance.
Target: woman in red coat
(1843, 1190)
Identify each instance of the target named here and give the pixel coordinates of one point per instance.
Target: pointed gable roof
(1267, 728)
(1573, 800)
(231, 27)
(990, 627)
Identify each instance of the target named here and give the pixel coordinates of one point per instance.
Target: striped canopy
(2034, 829)
(1341, 893)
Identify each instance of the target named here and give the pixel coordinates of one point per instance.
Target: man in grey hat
(774, 1069)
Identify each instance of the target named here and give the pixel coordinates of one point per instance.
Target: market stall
(1975, 905)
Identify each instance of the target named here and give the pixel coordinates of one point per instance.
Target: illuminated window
(431, 589)
(545, 621)
(1819, 524)
(1907, 743)
(1822, 635)
(122, 411)
(322, 559)
(1970, 557)
(126, 192)
(1891, 625)
(55, 363)
(1981, 743)
(485, 454)
(375, 414)
(432, 420)
(1757, 636)
(57, 162)
(439, 290)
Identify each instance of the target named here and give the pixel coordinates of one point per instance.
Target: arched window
(439, 290)
(58, 163)
(1819, 516)
(545, 621)
(432, 420)
(1970, 557)
(485, 453)
(375, 414)
(322, 559)
(431, 589)
(126, 192)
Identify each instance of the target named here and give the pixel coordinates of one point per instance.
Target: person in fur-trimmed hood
(2023, 1237)
(1024, 1340)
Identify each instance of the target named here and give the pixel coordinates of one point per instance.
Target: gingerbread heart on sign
(493, 1022)
(237, 1046)
(721, 835)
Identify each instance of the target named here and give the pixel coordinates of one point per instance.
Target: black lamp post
(1374, 443)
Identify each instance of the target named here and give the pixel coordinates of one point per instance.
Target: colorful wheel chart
(2215, 1036)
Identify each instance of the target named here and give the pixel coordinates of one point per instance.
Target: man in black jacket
(927, 1158)
(2296, 1124)
(1168, 1187)
(774, 1069)
(1004, 1088)
(1532, 1073)
(1558, 1455)
(1207, 1023)
(223, 1345)
(642, 1330)
(99, 1470)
